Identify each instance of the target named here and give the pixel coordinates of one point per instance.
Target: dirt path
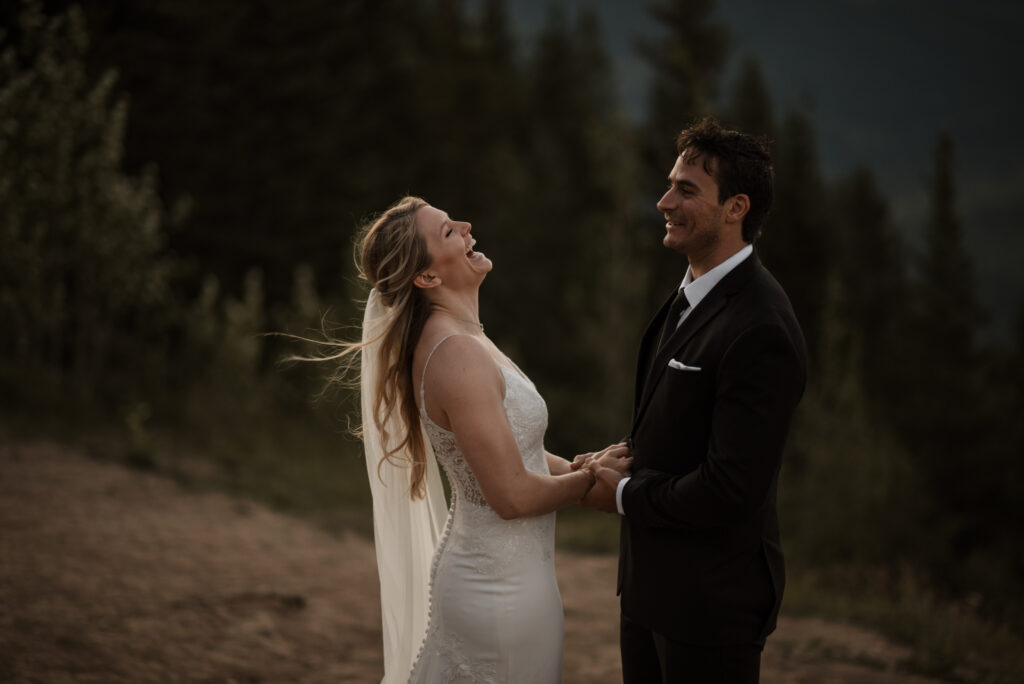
(112, 575)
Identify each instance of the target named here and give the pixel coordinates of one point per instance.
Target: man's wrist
(618, 494)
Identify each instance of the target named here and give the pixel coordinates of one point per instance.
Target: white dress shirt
(696, 289)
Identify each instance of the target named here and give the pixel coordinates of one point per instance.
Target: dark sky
(882, 78)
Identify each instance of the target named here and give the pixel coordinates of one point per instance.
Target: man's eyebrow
(683, 182)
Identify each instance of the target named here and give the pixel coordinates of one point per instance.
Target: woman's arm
(557, 465)
(465, 383)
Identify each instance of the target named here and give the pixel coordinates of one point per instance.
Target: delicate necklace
(465, 320)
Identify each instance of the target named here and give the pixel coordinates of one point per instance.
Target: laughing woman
(473, 599)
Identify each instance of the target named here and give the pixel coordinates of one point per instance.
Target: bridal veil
(405, 531)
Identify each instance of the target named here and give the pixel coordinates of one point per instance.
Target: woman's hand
(581, 460)
(615, 457)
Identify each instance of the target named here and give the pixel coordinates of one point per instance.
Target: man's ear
(736, 207)
(426, 280)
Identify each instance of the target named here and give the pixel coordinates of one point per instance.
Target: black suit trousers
(651, 658)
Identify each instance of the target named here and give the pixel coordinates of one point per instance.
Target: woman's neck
(464, 309)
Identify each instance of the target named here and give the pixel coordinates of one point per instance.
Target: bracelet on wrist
(593, 481)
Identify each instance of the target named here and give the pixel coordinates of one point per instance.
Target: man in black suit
(721, 369)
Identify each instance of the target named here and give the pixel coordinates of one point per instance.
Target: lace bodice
(528, 417)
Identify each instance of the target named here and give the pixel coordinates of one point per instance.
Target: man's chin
(672, 244)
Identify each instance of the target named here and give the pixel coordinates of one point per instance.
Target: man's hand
(602, 495)
(609, 466)
(615, 456)
(581, 460)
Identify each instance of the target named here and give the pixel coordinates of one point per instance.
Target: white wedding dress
(495, 611)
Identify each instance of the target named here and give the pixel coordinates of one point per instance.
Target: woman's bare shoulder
(457, 365)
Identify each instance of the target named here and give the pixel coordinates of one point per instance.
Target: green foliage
(949, 302)
(797, 242)
(880, 305)
(581, 530)
(750, 106)
(571, 249)
(239, 351)
(951, 641)
(84, 279)
(851, 491)
(686, 60)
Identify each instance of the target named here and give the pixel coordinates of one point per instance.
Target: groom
(721, 369)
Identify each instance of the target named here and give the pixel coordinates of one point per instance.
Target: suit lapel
(648, 349)
(702, 314)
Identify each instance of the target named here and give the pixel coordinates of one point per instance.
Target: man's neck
(699, 265)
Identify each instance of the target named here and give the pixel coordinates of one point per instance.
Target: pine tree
(285, 123)
(686, 62)
(573, 281)
(943, 420)
(991, 503)
(852, 494)
(795, 245)
(470, 105)
(950, 307)
(750, 107)
(945, 360)
(870, 259)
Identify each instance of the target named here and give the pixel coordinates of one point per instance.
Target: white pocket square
(672, 363)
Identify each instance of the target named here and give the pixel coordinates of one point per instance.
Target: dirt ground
(113, 575)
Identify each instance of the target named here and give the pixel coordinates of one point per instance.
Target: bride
(471, 597)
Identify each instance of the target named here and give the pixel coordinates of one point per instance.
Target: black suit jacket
(700, 560)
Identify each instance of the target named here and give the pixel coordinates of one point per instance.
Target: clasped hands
(609, 466)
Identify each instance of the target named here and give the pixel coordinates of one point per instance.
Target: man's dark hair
(738, 162)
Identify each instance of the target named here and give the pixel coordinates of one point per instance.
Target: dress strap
(423, 376)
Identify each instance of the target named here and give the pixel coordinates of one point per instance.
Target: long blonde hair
(392, 253)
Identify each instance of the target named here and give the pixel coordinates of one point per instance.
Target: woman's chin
(480, 263)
